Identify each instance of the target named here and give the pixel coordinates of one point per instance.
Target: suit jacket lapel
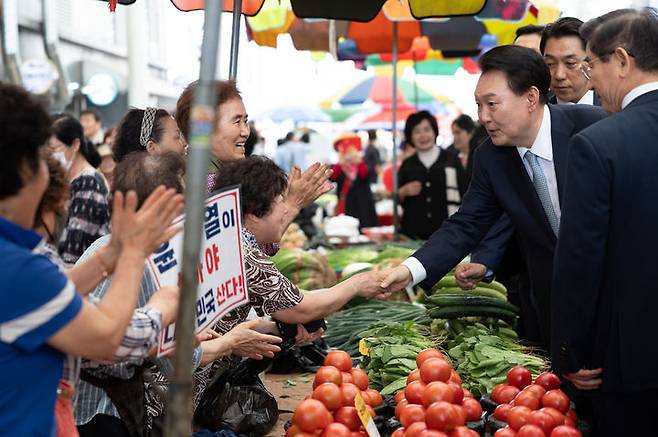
(561, 131)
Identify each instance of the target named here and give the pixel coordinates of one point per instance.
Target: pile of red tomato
(538, 409)
(330, 411)
(434, 404)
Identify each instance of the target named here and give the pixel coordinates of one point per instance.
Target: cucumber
(477, 291)
(445, 282)
(458, 300)
(494, 285)
(453, 312)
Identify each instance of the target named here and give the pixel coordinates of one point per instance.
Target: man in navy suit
(527, 151)
(564, 50)
(605, 287)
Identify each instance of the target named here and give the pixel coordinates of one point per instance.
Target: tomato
(518, 416)
(556, 399)
(572, 415)
(415, 429)
(347, 377)
(442, 416)
(527, 399)
(293, 431)
(411, 413)
(432, 433)
(398, 432)
(496, 391)
(519, 377)
(375, 397)
(463, 431)
(437, 391)
(310, 415)
(543, 420)
(336, 430)
(428, 353)
(461, 414)
(467, 394)
(505, 432)
(348, 392)
(558, 418)
(330, 395)
(398, 408)
(535, 389)
(457, 393)
(473, 409)
(339, 359)
(565, 431)
(548, 380)
(454, 377)
(371, 410)
(413, 376)
(568, 421)
(348, 417)
(360, 378)
(435, 369)
(399, 396)
(506, 394)
(327, 374)
(502, 411)
(414, 392)
(530, 431)
(359, 433)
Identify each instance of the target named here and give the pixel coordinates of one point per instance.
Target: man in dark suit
(605, 287)
(518, 171)
(564, 50)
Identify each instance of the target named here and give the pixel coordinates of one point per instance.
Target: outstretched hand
(468, 275)
(396, 278)
(304, 188)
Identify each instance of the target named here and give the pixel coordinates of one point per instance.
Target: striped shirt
(37, 300)
(142, 335)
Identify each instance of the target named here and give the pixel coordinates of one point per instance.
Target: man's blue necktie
(541, 186)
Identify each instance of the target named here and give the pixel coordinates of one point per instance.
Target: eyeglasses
(586, 65)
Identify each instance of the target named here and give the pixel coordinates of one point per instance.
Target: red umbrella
(382, 119)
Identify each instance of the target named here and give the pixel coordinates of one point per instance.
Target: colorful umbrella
(249, 7)
(379, 89)
(382, 119)
(296, 113)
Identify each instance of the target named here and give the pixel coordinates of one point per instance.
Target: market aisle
(289, 390)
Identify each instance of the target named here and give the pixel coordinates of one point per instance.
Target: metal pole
(394, 127)
(9, 40)
(51, 39)
(138, 70)
(179, 415)
(235, 39)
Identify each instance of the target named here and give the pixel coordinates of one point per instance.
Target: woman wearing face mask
(152, 130)
(431, 181)
(88, 212)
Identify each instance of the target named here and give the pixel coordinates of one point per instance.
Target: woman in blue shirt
(41, 314)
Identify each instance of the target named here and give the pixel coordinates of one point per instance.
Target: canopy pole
(178, 421)
(235, 39)
(394, 128)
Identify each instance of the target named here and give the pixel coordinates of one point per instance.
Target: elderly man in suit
(605, 281)
(519, 171)
(564, 51)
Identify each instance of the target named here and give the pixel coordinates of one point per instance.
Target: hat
(344, 142)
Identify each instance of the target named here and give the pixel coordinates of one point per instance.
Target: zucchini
(453, 312)
(457, 300)
(477, 291)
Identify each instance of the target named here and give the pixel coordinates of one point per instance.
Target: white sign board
(221, 273)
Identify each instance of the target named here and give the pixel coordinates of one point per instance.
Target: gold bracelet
(106, 270)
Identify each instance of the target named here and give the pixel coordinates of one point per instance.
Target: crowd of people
(545, 168)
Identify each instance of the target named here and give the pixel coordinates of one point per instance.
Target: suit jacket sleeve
(580, 255)
(491, 249)
(461, 232)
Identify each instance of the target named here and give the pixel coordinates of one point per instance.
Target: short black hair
(143, 172)
(523, 67)
(261, 181)
(67, 129)
(305, 138)
(415, 119)
(372, 134)
(634, 30)
(530, 29)
(564, 27)
(93, 112)
(24, 129)
(129, 128)
(464, 122)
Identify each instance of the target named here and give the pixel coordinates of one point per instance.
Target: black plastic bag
(238, 401)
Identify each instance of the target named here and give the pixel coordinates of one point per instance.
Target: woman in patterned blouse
(88, 212)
